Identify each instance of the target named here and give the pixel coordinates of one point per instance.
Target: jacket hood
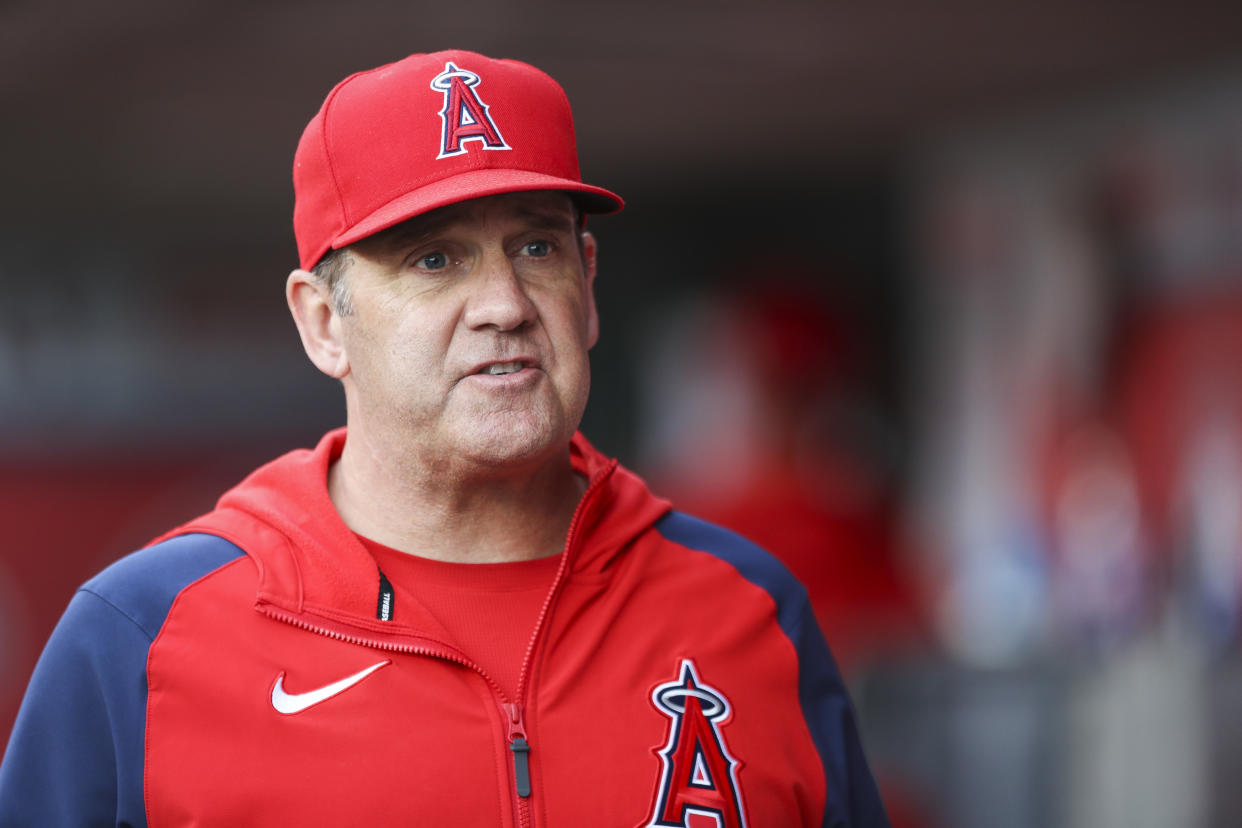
(308, 560)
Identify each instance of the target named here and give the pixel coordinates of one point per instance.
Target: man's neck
(458, 513)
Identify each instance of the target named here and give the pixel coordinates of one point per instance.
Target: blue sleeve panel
(853, 799)
(75, 757)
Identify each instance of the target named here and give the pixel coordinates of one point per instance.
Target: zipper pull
(517, 744)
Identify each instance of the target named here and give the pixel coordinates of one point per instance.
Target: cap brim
(475, 184)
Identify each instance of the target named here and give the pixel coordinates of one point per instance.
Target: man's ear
(589, 249)
(319, 325)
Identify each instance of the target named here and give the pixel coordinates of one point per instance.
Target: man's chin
(514, 445)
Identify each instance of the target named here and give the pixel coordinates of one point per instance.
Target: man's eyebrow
(545, 218)
(423, 228)
(414, 232)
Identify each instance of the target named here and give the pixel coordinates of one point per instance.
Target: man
(456, 611)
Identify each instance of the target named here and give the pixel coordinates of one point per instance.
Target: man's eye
(432, 261)
(537, 248)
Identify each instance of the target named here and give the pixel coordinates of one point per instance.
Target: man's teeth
(503, 368)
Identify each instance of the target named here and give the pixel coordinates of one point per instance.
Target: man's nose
(497, 296)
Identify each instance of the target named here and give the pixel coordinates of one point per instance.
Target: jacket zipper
(519, 746)
(352, 638)
(516, 726)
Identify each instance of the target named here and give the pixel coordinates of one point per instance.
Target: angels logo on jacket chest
(698, 785)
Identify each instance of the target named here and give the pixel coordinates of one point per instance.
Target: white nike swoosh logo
(289, 703)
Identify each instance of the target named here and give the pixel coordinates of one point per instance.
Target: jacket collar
(309, 561)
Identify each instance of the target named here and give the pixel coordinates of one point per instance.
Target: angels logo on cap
(415, 135)
(465, 117)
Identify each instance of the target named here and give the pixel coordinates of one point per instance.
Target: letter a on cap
(464, 115)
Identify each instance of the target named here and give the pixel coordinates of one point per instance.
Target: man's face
(470, 330)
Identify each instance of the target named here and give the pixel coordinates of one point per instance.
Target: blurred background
(940, 302)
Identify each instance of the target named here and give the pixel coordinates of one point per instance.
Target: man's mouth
(499, 368)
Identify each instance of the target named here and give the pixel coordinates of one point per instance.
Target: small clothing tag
(384, 609)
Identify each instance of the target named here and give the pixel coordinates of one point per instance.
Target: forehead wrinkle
(540, 209)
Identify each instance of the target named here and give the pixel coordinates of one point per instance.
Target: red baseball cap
(427, 131)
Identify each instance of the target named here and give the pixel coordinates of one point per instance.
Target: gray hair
(330, 271)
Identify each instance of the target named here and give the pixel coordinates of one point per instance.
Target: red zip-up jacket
(254, 667)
